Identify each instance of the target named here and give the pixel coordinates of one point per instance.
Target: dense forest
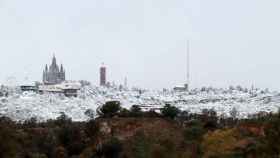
(132, 133)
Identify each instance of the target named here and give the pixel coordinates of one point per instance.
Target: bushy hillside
(120, 133)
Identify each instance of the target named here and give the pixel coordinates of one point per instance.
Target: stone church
(53, 74)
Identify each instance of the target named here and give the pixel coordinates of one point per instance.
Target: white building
(68, 88)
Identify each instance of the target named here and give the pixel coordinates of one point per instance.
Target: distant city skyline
(232, 42)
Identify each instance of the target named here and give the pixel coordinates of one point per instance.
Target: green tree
(170, 111)
(109, 109)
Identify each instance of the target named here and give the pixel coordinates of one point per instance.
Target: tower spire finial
(54, 59)
(61, 68)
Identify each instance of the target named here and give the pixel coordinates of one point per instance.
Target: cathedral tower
(53, 74)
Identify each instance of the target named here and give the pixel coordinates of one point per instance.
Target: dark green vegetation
(109, 109)
(122, 133)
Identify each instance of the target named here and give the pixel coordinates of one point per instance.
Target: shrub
(141, 148)
(272, 136)
(63, 120)
(170, 111)
(43, 141)
(209, 113)
(109, 109)
(144, 146)
(194, 132)
(31, 123)
(193, 135)
(220, 143)
(211, 119)
(91, 129)
(90, 113)
(135, 111)
(8, 146)
(184, 115)
(124, 113)
(111, 149)
(71, 138)
(151, 113)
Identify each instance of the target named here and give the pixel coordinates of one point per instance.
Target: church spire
(46, 68)
(54, 74)
(61, 68)
(54, 60)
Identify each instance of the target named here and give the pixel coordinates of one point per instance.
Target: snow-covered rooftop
(60, 87)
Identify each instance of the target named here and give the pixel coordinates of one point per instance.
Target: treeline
(129, 133)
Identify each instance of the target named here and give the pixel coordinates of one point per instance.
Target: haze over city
(232, 42)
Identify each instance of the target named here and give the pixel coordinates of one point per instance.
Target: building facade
(53, 74)
(184, 88)
(103, 75)
(68, 88)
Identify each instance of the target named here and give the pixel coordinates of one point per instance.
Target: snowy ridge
(23, 106)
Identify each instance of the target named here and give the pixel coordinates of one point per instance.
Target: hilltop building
(53, 74)
(181, 88)
(32, 87)
(68, 88)
(103, 75)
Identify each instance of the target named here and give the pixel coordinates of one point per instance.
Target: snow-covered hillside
(22, 106)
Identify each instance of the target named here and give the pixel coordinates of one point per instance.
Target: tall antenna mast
(188, 63)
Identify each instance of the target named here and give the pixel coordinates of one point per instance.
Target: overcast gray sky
(233, 42)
